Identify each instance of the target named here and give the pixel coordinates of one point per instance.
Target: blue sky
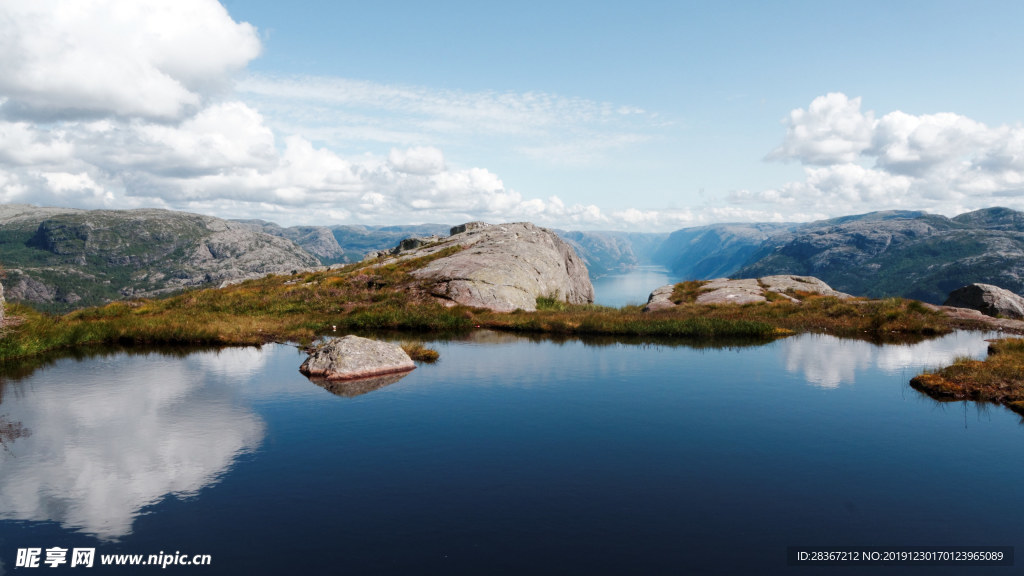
(580, 115)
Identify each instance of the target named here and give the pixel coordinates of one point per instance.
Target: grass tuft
(417, 351)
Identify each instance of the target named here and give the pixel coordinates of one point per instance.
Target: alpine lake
(510, 455)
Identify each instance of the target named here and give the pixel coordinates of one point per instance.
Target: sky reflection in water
(614, 455)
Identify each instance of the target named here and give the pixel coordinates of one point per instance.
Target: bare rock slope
(502, 267)
(746, 290)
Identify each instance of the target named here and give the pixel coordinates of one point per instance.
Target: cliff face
(61, 259)
(610, 252)
(714, 251)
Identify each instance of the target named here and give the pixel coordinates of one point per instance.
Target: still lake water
(631, 287)
(509, 456)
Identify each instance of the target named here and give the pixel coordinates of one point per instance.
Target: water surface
(509, 456)
(632, 287)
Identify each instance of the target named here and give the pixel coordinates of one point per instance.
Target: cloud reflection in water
(829, 362)
(112, 436)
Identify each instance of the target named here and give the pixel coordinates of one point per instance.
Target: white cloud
(548, 127)
(853, 162)
(21, 144)
(417, 160)
(121, 104)
(832, 129)
(88, 58)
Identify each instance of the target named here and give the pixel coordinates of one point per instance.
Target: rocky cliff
(62, 258)
(502, 267)
(714, 251)
(610, 252)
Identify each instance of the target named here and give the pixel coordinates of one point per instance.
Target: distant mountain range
(910, 254)
(62, 259)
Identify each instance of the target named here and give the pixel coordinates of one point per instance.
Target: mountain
(714, 251)
(609, 252)
(61, 258)
(318, 241)
(343, 243)
(358, 241)
(910, 254)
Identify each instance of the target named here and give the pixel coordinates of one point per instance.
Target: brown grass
(363, 298)
(999, 378)
(417, 351)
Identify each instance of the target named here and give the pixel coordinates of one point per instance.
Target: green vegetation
(999, 378)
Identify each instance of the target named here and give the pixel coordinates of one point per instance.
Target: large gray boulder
(354, 357)
(504, 267)
(987, 299)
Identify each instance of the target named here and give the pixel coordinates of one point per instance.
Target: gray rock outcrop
(354, 357)
(504, 267)
(725, 291)
(746, 291)
(660, 299)
(987, 299)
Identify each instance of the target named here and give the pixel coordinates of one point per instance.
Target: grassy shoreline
(366, 299)
(998, 379)
(374, 297)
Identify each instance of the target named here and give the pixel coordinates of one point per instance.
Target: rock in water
(987, 299)
(353, 357)
(506, 266)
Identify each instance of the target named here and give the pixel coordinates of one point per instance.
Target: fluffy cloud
(855, 162)
(120, 104)
(89, 58)
(832, 129)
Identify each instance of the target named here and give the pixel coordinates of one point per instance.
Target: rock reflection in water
(122, 434)
(828, 362)
(359, 386)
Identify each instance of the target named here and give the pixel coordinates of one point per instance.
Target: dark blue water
(509, 456)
